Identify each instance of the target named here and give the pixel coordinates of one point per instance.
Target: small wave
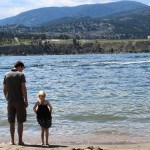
(136, 62)
(138, 56)
(95, 117)
(143, 120)
(84, 64)
(110, 63)
(5, 67)
(110, 132)
(124, 63)
(72, 61)
(37, 65)
(3, 122)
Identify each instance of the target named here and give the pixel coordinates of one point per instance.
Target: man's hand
(26, 104)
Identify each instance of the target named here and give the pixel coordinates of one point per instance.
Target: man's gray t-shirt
(13, 81)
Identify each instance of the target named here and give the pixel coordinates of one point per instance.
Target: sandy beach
(145, 146)
(80, 142)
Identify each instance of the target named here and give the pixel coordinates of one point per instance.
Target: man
(14, 89)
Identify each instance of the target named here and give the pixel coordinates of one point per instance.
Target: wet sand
(143, 146)
(77, 142)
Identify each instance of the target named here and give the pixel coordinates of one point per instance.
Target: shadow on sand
(44, 146)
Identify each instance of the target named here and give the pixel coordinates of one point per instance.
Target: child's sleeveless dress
(44, 117)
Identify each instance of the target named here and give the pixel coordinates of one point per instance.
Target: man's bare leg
(12, 132)
(20, 133)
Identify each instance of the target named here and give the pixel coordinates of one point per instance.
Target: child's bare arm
(51, 108)
(34, 108)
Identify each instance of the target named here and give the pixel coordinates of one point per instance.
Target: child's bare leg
(42, 135)
(47, 135)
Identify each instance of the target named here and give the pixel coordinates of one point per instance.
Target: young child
(43, 110)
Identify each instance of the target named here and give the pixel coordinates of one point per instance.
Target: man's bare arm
(24, 91)
(4, 89)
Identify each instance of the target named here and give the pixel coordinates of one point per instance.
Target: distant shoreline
(61, 47)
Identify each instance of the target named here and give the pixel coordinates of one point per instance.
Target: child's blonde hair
(42, 93)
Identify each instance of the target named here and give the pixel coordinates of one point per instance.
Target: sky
(9, 8)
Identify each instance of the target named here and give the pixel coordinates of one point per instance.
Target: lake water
(103, 98)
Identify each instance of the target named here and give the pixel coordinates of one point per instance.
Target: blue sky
(10, 8)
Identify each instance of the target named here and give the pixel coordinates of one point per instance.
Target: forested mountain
(123, 25)
(132, 24)
(43, 15)
(129, 24)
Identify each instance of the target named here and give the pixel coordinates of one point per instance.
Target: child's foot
(12, 143)
(21, 143)
(47, 144)
(42, 144)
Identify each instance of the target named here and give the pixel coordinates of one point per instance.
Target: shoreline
(143, 146)
(93, 139)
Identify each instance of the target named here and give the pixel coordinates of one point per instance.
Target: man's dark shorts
(16, 109)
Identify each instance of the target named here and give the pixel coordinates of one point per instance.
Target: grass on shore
(68, 41)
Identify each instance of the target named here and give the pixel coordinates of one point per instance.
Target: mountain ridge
(43, 15)
(125, 25)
